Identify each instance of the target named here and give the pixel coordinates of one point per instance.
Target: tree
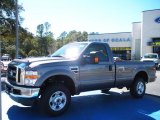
(62, 35)
(45, 38)
(8, 26)
(76, 36)
(84, 36)
(8, 17)
(33, 53)
(11, 50)
(72, 36)
(40, 30)
(94, 33)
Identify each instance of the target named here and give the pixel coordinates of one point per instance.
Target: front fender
(51, 73)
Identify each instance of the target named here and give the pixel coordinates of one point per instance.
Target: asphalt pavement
(154, 87)
(116, 105)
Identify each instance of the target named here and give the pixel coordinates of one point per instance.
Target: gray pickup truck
(74, 68)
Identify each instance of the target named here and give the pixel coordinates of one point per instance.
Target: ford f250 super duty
(74, 68)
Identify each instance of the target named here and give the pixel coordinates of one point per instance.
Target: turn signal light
(31, 76)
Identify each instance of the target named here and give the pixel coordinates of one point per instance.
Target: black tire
(55, 100)
(157, 68)
(138, 88)
(105, 90)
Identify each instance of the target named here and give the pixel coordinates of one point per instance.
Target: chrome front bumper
(23, 95)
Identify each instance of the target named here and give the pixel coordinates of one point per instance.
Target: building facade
(120, 43)
(144, 38)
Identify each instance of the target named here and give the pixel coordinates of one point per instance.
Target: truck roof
(92, 42)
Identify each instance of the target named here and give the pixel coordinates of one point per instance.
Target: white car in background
(151, 57)
(116, 59)
(5, 64)
(5, 60)
(6, 57)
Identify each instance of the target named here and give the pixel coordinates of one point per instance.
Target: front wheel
(138, 88)
(55, 100)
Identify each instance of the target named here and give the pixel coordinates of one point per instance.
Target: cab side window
(100, 52)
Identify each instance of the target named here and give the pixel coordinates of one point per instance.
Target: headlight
(30, 77)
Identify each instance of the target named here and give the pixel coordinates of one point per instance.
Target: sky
(102, 16)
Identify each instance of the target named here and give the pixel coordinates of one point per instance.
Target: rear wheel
(55, 100)
(138, 88)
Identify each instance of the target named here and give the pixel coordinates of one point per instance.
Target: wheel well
(60, 79)
(143, 75)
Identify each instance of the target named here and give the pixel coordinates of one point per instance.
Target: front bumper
(23, 95)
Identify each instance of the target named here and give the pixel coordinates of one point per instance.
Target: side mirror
(92, 58)
(96, 60)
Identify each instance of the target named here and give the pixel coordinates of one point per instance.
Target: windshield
(150, 56)
(71, 51)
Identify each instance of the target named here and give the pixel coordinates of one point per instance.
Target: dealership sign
(120, 48)
(112, 40)
(157, 20)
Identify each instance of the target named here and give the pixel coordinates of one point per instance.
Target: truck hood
(33, 62)
(37, 59)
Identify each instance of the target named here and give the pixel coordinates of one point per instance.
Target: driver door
(97, 76)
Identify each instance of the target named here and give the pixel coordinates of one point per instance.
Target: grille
(12, 71)
(14, 74)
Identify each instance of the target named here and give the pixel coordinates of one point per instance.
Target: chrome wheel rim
(57, 101)
(140, 88)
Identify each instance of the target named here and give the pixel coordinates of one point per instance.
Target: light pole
(17, 29)
(0, 87)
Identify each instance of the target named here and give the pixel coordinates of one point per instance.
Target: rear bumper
(23, 95)
(157, 65)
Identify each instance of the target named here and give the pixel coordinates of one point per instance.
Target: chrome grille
(14, 74)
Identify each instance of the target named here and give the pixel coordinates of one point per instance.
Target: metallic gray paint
(89, 76)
